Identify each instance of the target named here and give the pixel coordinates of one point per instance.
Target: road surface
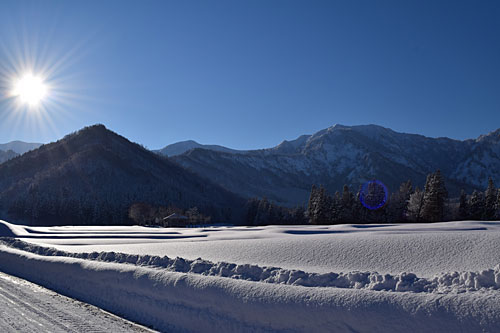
(27, 307)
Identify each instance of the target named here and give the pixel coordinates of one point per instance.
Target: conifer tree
(347, 203)
(336, 208)
(312, 205)
(463, 208)
(297, 215)
(476, 205)
(498, 205)
(490, 198)
(435, 194)
(319, 206)
(262, 216)
(251, 210)
(361, 212)
(398, 204)
(415, 205)
(323, 213)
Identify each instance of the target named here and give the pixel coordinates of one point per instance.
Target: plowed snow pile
(412, 277)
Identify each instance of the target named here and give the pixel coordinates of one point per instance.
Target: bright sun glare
(30, 89)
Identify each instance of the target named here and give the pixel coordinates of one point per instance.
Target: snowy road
(27, 307)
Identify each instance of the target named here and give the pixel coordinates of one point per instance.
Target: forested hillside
(93, 177)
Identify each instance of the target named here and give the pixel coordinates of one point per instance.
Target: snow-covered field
(410, 277)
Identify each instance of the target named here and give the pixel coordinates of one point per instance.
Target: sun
(30, 89)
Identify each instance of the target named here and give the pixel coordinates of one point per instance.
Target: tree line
(264, 212)
(407, 204)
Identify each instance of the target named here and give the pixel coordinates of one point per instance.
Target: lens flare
(373, 195)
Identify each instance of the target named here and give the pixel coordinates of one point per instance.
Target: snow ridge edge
(448, 282)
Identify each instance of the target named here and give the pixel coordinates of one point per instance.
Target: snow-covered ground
(412, 277)
(26, 307)
(423, 249)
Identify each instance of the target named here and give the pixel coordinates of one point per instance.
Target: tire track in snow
(27, 307)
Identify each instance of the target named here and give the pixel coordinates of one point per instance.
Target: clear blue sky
(248, 74)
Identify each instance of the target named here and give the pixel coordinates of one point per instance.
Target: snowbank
(406, 281)
(173, 301)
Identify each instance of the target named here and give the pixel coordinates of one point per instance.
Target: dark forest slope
(94, 175)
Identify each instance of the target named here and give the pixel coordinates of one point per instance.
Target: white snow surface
(345, 278)
(423, 249)
(28, 308)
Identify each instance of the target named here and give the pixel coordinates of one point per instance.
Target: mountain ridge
(334, 156)
(349, 155)
(181, 147)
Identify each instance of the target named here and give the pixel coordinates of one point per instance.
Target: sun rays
(39, 89)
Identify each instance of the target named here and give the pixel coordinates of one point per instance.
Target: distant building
(175, 220)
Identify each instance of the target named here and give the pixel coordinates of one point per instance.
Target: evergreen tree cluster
(339, 208)
(264, 212)
(480, 205)
(405, 205)
(346, 207)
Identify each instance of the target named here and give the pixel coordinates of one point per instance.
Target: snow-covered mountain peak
(337, 127)
(293, 146)
(493, 137)
(367, 130)
(373, 131)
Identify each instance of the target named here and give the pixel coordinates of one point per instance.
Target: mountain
(19, 147)
(348, 155)
(181, 147)
(14, 148)
(94, 175)
(7, 155)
